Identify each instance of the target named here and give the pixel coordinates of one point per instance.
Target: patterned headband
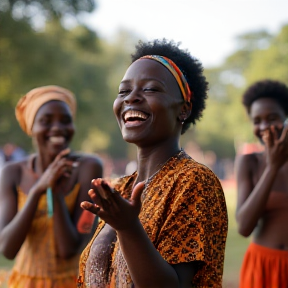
(176, 72)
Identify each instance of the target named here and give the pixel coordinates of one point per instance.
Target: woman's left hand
(110, 206)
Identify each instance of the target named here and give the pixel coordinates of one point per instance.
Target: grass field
(235, 246)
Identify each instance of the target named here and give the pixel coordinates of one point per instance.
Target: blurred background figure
(40, 195)
(12, 152)
(262, 184)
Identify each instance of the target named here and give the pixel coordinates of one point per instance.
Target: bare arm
(252, 200)
(149, 269)
(68, 238)
(14, 225)
(146, 266)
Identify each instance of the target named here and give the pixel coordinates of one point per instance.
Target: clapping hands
(110, 206)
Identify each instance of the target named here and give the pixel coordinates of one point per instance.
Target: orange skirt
(264, 268)
(4, 275)
(17, 280)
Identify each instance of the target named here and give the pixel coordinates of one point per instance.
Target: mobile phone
(73, 156)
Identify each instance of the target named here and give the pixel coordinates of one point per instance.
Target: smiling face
(148, 104)
(53, 127)
(264, 113)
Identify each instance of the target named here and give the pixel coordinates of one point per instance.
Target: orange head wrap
(28, 106)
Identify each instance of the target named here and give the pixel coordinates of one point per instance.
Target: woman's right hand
(276, 148)
(111, 207)
(61, 166)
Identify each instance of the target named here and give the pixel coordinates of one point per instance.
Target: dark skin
(260, 174)
(55, 167)
(147, 87)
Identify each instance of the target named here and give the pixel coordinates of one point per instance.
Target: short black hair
(189, 66)
(267, 88)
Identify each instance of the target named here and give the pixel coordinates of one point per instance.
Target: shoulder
(88, 167)
(14, 166)
(247, 158)
(247, 162)
(11, 171)
(88, 158)
(196, 182)
(195, 171)
(90, 161)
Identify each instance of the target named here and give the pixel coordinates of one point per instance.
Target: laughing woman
(166, 224)
(40, 196)
(262, 206)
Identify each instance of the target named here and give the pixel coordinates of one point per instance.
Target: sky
(207, 28)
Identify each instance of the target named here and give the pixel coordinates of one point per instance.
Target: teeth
(57, 139)
(134, 114)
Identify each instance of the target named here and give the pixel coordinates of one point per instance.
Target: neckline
(163, 165)
(30, 165)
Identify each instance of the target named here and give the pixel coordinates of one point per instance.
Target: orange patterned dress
(37, 265)
(185, 216)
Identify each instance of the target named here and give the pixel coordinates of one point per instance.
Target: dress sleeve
(196, 226)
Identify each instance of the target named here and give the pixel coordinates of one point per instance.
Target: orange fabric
(4, 274)
(185, 216)
(85, 222)
(264, 268)
(30, 103)
(37, 264)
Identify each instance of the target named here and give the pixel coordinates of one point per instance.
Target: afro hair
(267, 88)
(189, 66)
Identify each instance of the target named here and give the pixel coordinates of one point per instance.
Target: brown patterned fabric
(184, 214)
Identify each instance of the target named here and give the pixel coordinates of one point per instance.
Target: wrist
(58, 198)
(37, 191)
(272, 168)
(133, 227)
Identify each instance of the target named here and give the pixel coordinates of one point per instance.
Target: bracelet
(49, 196)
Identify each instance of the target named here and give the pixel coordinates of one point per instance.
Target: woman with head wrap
(166, 224)
(40, 196)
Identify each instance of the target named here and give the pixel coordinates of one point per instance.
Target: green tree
(76, 59)
(225, 123)
(48, 9)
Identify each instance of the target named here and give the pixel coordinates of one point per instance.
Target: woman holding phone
(40, 196)
(262, 206)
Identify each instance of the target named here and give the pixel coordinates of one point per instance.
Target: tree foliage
(75, 59)
(49, 9)
(225, 124)
(92, 68)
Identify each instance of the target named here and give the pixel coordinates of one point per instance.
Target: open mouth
(135, 116)
(58, 140)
